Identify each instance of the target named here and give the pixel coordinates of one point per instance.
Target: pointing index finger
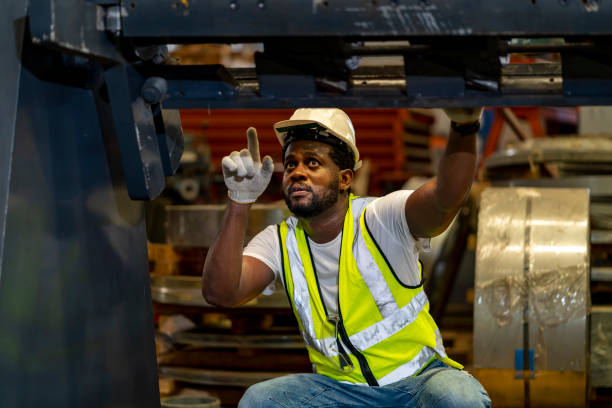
(253, 144)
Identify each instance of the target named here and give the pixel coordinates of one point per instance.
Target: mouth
(299, 191)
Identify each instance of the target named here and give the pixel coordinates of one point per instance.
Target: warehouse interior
(117, 115)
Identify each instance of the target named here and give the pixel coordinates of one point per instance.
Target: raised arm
(230, 279)
(432, 207)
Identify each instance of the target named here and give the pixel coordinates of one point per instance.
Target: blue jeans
(438, 386)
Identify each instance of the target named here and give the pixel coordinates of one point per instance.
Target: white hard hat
(331, 120)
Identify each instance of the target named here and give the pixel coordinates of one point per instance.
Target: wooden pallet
(459, 346)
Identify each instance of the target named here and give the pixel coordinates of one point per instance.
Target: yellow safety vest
(383, 326)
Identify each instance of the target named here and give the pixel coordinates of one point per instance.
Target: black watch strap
(465, 129)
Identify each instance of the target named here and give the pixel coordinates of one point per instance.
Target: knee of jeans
(254, 397)
(458, 389)
(475, 399)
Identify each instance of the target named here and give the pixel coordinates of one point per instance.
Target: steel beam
(312, 49)
(367, 88)
(249, 20)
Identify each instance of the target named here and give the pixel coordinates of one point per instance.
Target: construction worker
(349, 266)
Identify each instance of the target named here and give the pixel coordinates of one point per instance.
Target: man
(349, 266)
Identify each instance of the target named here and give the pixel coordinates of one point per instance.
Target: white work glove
(463, 115)
(246, 177)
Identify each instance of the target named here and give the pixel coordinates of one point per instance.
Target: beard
(317, 204)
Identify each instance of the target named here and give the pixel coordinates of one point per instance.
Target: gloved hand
(463, 115)
(245, 176)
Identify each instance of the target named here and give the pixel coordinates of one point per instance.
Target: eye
(289, 165)
(313, 163)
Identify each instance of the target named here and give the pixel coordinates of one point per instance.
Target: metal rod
(387, 49)
(528, 48)
(512, 120)
(503, 49)
(527, 262)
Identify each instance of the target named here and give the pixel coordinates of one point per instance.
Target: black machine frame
(454, 53)
(90, 123)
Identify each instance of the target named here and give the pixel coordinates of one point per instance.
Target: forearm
(223, 265)
(432, 207)
(455, 172)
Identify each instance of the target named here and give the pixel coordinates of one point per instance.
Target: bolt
(261, 4)
(234, 6)
(352, 63)
(154, 89)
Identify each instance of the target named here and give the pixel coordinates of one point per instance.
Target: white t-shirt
(387, 222)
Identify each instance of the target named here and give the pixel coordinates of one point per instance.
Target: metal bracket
(169, 137)
(73, 26)
(111, 19)
(136, 133)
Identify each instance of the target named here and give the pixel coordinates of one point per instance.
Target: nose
(298, 173)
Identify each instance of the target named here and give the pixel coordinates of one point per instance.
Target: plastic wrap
(558, 149)
(601, 346)
(569, 144)
(552, 297)
(532, 266)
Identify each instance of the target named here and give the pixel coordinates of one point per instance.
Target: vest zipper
(363, 363)
(330, 318)
(343, 352)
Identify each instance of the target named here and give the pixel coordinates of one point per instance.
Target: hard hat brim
(281, 128)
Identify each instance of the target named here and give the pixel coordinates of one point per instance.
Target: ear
(346, 179)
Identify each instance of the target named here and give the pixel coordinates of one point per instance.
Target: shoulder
(360, 203)
(265, 246)
(268, 234)
(387, 215)
(393, 202)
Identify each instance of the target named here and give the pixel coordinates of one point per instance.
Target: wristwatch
(465, 129)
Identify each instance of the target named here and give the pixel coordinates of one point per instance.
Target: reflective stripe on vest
(387, 323)
(300, 299)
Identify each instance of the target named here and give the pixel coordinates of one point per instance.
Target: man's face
(310, 181)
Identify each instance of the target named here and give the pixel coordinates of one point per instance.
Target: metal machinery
(215, 350)
(543, 268)
(532, 296)
(88, 125)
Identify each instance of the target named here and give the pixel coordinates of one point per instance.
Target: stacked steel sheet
(221, 351)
